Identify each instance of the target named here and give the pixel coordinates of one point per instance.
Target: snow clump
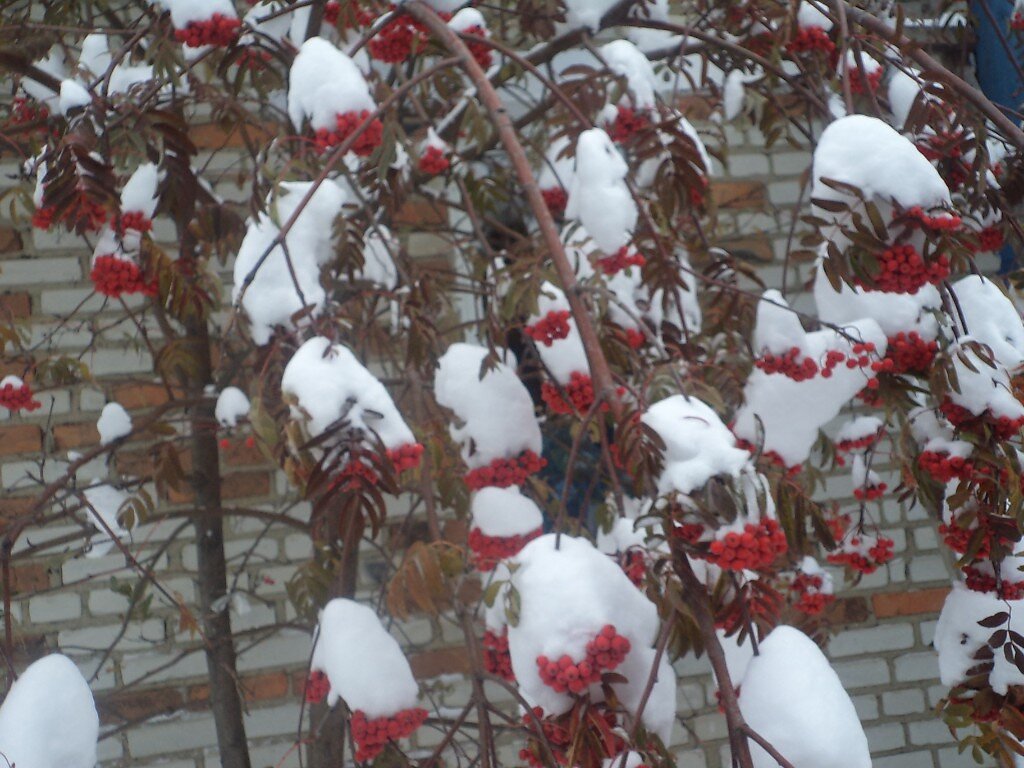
(232, 405)
(113, 423)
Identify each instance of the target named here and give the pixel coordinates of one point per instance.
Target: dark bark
(225, 698)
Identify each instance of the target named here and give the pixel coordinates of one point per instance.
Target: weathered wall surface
(156, 671)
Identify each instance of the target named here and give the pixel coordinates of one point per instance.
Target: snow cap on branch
(330, 384)
(626, 60)
(232, 405)
(495, 412)
(599, 198)
(503, 512)
(113, 423)
(103, 503)
(48, 719)
(323, 83)
(364, 664)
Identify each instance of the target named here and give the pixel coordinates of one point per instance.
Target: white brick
(272, 721)
(748, 164)
(862, 673)
(887, 637)
(931, 731)
(917, 666)
(906, 760)
(104, 601)
(904, 703)
(885, 737)
(59, 606)
(866, 706)
(39, 271)
(790, 163)
(924, 568)
(137, 636)
(170, 737)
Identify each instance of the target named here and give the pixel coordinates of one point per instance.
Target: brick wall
(151, 688)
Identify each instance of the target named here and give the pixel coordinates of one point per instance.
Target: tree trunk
(225, 698)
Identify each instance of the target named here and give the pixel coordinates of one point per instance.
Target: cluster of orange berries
(944, 467)
(550, 328)
(113, 276)
(398, 39)
(555, 735)
(789, 365)
(497, 660)
(317, 687)
(253, 58)
(504, 473)
(959, 539)
(84, 214)
(371, 736)
(879, 553)
(604, 652)
(812, 600)
(347, 123)
(580, 393)
(433, 161)
(870, 492)
(555, 198)
(627, 124)
(634, 564)
(755, 548)
(1017, 21)
(18, 398)
(772, 457)
(903, 270)
(25, 111)
(480, 51)
(633, 337)
(989, 239)
(135, 220)
(866, 82)
(977, 581)
(691, 533)
(406, 456)
(943, 223)
(1003, 427)
(620, 260)
(856, 445)
(910, 353)
(218, 30)
(488, 551)
(809, 40)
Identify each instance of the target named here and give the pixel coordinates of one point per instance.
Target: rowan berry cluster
(870, 491)
(480, 51)
(879, 553)
(865, 82)
(433, 161)
(555, 198)
(760, 44)
(789, 364)
(977, 581)
(908, 353)
(944, 467)
(488, 551)
(755, 548)
(347, 123)
(696, 193)
(771, 457)
(553, 326)
(811, 600)
(942, 223)
(25, 111)
(604, 653)
(901, 269)
(634, 564)
(249, 442)
(397, 40)
(989, 239)
(504, 473)
(406, 456)
(17, 396)
(627, 124)
(1003, 427)
(634, 338)
(959, 539)
(317, 687)
(355, 474)
(218, 30)
(83, 213)
(691, 533)
(371, 736)
(1017, 21)
(134, 220)
(497, 660)
(620, 260)
(113, 276)
(579, 391)
(856, 445)
(810, 40)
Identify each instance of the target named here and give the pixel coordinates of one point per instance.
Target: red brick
(238, 454)
(31, 577)
(67, 436)
(909, 603)
(135, 396)
(245, 484)
(744, 195)
(695, 107)
(10, 240)
(128, 706)
(442, 661)
(270, 685)
(20, 438)
(418, 212)
(15, 305)
(757, 249)
(213, 136)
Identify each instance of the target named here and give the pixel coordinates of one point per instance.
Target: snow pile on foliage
(494, 409)
(232, 405)
(567, 596)
(564, 356)
(331, 387)
(990, 318)
(870, 155)
(323, 83)
(48, 719)
(503, 512)
(139, 194)
(698, 446)
(627, 61)
(364, 664)
(959, 636)
(113, 423)
(586, 13)
(274, 295)
(378, 266)
(894, 312)
(788, 413)
(792, 697)
(95, 59)
(599, 198)
(103, 503)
